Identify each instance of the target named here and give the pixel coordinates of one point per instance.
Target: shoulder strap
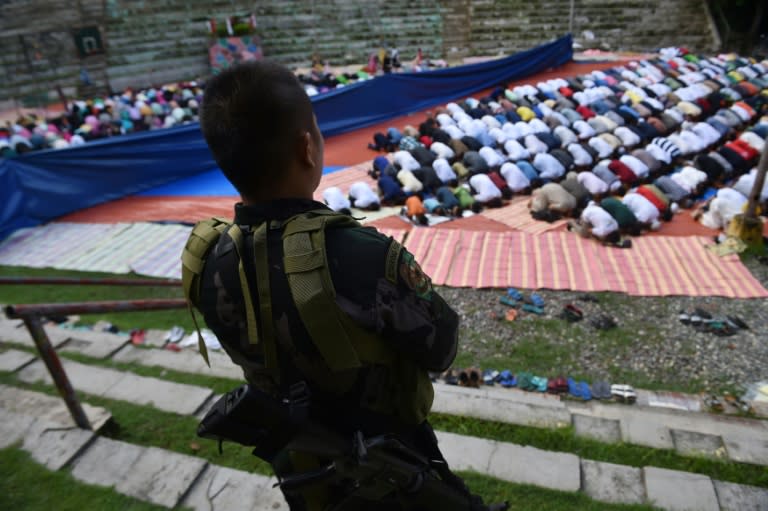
(341, 342)
(201, 240)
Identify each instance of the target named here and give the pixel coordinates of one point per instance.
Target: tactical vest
(395, 385)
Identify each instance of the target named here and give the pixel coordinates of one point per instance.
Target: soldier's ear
(307, 150)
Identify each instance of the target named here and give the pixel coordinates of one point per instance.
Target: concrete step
(124, 386)
(169, 479)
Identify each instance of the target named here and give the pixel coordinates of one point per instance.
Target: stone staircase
(688, 433)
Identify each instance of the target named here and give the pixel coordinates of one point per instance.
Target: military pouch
(253, 418)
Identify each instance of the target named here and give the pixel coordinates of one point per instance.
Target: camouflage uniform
(385, 294)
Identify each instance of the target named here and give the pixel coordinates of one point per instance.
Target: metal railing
(31, 315)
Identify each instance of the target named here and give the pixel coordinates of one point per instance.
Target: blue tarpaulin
(41, 186)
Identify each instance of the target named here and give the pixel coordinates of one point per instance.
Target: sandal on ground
(524, 381)
(507, 379)
(490, 376)
(603, 322)
(584, 391)
(537, 300)
(573, 388)
(533, 309)
(514, 294)
(509, 302)
(539, 383)
(623, 393)
(571, 313)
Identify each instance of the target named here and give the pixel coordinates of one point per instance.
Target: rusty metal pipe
(52, 362)
(41, 309)
(75, 281)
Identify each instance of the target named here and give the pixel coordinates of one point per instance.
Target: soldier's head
(261, 129)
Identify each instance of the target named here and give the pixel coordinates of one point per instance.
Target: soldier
(297, 293)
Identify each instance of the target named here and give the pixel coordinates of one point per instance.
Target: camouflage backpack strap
(201, 240)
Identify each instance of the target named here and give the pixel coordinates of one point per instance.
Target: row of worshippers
(619, 132)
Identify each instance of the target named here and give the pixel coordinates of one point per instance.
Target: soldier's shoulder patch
(413, 277)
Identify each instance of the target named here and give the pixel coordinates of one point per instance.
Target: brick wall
(155, 41)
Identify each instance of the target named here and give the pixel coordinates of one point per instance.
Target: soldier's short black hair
(252, 117)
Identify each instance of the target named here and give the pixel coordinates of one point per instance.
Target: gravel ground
(650, 347)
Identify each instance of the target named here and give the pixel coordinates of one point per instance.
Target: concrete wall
(154, 41)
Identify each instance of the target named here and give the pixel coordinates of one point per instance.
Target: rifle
(370, 468)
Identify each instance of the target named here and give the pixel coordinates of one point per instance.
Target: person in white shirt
(491, 157)
(516, 180)
(513, 133)
(754, 140)
(746, 182)
(566, 136)
(598, 223)
(548, 166)
(445, 120)
(538, 126)
(441, 150)
(454, 131)
(603, 148)
(628, 137)
(643, 209)
(594, 185)
(498, 135)
(336, 200)
(491, 122)
(405, 160)
(443, 170)
(721, 209)
(535, 145)
(516, 151)
(690, 179)
(363, 197)
(638, 167)
(486, 193)
(581, 158)
(584, 130)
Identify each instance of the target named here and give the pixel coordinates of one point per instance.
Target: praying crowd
(93, 119)
(617, 151)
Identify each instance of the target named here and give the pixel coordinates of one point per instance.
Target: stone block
(161, 477)
(608, 482)
(603, 430)
(740, 497)
(53, 446)
(528, 465)
(466, 452)
(647, 431)
(102, 347)
(106, 462)
(692, 443)
(747, 448)
(13, 427)
(48, 408)
(164, 395)
(85, 378)
(13, 360)
(513, 407)
(679, 491)
(224, 489)
(186, 361)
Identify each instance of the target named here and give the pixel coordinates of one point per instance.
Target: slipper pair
(535, 299)
(533, 309)
(579, 390)
(558, 385)
(601, 390)
(507, 379)
(624, 393)
(525, 381)
(490, 376)
(571, 313)
(469, 378)
(603, 322)
(539, 383)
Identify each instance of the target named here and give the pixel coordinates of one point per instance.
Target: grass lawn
(24, 484)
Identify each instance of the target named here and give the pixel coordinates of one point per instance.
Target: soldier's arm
(382, 287)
